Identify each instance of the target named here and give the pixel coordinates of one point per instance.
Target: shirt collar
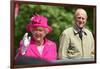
(76, 30)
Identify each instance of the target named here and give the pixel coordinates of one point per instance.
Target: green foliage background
(59, 18)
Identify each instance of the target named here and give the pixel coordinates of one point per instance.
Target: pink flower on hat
(38, 21)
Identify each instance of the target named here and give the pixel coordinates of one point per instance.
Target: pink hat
(38, 21)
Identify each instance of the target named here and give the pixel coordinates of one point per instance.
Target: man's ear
(86, 17)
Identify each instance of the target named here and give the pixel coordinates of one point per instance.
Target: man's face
(80, 18)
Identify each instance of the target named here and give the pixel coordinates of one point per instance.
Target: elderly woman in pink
(38, 46)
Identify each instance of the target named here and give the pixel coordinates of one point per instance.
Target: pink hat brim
(29, 27)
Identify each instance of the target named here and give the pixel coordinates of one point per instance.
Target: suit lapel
(45, 50)
(34, 49)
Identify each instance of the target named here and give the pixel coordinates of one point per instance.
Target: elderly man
(77, 41)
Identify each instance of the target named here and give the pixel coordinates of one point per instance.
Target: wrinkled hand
(26, 42)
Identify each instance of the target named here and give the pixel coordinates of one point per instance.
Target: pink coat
(49, 51)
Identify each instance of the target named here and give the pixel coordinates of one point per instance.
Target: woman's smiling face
(38, 33)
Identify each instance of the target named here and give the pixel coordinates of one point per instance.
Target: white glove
(26, 42)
